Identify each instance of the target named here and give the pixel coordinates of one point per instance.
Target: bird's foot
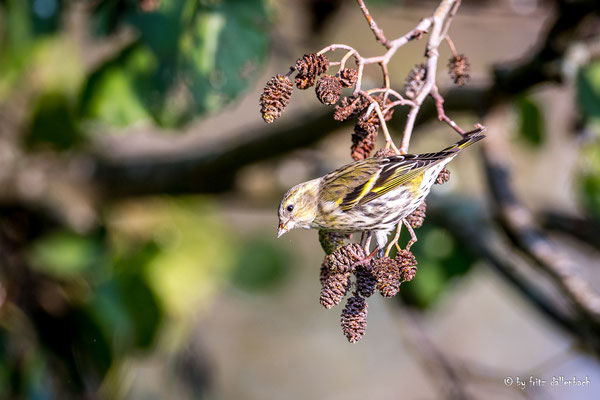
(364, 261)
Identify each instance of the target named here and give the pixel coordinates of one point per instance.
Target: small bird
(371, 195)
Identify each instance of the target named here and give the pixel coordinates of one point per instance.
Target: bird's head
(299, 207)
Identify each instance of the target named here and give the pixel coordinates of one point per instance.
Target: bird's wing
(343, 186)
(400, 170)
(361, 182)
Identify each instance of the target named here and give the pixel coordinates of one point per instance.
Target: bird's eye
(290, 208)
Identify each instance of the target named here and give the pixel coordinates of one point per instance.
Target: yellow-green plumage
(370, 195)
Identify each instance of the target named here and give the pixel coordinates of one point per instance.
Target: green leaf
(65, 254)
(589, 177)
(142, 308)
(531, 122)
(16, 42)
(89, 345)
(588, 90)
(53, 123)
(202, 57)
(118, 93)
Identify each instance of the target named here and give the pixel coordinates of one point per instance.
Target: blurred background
(139, 188)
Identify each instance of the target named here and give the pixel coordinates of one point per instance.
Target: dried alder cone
(275, 97)
(329, 90)
(367, 124)
(365, 134)
(335, 286)
(417, 217)
(366, 281)
(387, 273)
(350, 107)
(345, 258)
(407, 263)
(363, 144)
(348, 77)
(443, 176)
(415, 80)
(459, 68)
(383, 274)
(309, 67)
(354, 318)
(388, 113)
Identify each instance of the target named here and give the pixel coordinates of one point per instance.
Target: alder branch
(439, 23)
(207, 169)
(441, 18)
(373, 25)
(519, 225)
(585, 229)
(475, 232)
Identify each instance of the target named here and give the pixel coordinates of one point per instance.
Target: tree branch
(519, 225)
(208, 170)
(474, 231)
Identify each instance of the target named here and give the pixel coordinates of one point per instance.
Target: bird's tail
(468, 139)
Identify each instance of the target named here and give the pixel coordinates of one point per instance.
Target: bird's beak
(282, 229)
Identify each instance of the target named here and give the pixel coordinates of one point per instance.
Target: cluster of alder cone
(343, 261)
(310, 67)
(347, 269)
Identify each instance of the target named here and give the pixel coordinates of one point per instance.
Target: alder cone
(443, 176)
(354, 318)
(329, 90)
(309, 67)
(459, 69)
(348, 77)
(275, 97)
(344, 258)
(415, 80)
(417, 217)
(334, 289)
(387, 273)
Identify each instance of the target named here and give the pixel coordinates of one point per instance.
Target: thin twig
(373, 25)
(384, 128)
(346, 57)
(408, 128)
(413, 236)
(394, 240)
(451, 45)
(442, 14)
(439, 105)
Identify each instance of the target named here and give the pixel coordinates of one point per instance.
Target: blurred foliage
(262, 265)
(204, 54)
(53, 123)
(589, 179)
(441, 259)
(95, 299)
(196, 251)
(588, 96)
(588, 91)
(531, 122)
(76, 306)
